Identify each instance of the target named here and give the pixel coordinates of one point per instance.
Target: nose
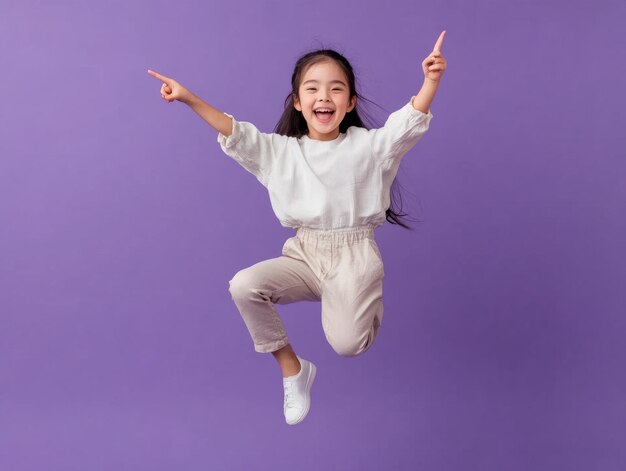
(323, 96)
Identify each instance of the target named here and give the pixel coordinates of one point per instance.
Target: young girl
(328, 177)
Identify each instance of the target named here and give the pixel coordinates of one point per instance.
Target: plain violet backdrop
(121, 222)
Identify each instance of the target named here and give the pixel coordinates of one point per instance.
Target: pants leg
(352, 299)
(256, 289)
(351, 275)
(342, 268)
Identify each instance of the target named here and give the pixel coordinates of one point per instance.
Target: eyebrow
(332, 81)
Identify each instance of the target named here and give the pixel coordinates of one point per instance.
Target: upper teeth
(323, 109)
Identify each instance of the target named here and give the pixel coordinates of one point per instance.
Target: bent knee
(240, 284)
(349, 346)
(348, 343)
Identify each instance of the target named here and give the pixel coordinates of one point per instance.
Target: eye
(312, 89)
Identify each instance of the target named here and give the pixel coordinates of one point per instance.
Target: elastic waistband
(343, 235)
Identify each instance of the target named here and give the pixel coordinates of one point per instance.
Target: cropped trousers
(342, 268)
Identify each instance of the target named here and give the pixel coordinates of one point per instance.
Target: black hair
(292, 122)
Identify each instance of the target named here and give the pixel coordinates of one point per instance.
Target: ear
(352, 103)
(296, 102)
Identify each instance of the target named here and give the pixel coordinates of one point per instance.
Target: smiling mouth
(323, 116)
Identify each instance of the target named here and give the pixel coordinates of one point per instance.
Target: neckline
(337, 139)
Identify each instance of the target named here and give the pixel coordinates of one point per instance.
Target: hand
(435, 64)
(171, 90)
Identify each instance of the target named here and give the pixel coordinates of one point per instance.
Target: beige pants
(341, 268)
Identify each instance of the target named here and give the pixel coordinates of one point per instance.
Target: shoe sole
(309, 383)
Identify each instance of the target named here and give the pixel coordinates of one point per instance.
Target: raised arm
(172, 90)
(433, 66)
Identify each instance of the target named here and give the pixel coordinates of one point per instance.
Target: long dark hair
(292, 123)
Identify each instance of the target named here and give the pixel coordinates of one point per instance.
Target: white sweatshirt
(336, 184)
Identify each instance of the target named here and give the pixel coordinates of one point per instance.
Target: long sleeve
(402, 130)
(255, 151)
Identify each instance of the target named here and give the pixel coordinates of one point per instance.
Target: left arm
(406, 126)
(433, 66)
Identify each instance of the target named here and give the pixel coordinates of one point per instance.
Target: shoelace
(289, 394)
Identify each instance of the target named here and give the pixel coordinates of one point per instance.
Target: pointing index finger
(159, 76)
(439, 42)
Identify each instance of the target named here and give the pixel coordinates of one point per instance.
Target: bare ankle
(291, 369)
(287, 360)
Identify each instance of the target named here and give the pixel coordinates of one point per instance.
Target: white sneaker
(298, 392)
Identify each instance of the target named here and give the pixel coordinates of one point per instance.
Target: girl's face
(324, 99)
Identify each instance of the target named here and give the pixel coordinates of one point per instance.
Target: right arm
(172, 90)
(218, 120)
(254, 150)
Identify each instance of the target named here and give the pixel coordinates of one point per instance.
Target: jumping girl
(328, 177)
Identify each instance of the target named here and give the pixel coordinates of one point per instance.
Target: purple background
(121, 222)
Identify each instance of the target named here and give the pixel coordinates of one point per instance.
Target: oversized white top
(328, 184)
